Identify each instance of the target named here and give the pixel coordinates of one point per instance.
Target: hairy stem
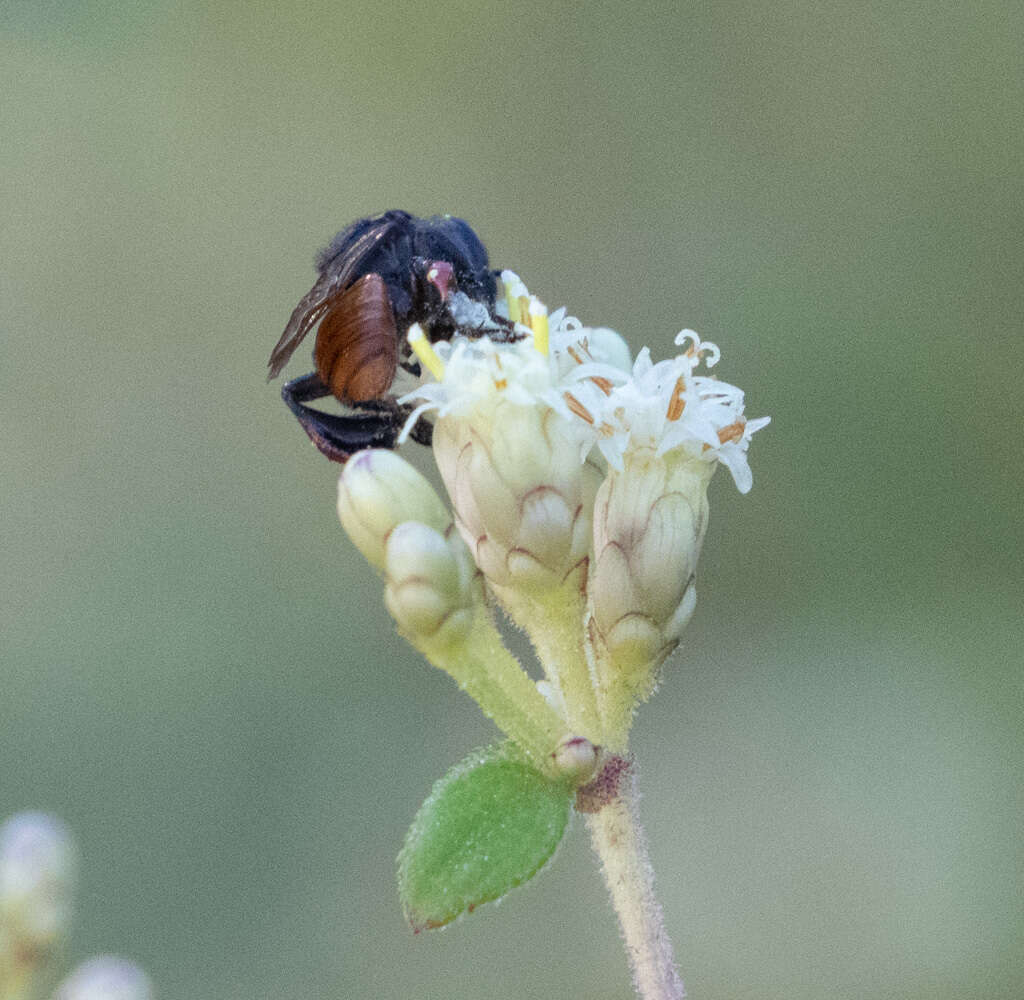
(620, 843)
(553, 624)
(494, 679)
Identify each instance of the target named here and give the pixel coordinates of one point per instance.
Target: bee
(376, 278)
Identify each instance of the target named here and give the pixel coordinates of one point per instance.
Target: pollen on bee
(577, 407)
(676, 403)
(423, 350)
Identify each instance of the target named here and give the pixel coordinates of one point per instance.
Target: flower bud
(576, 758)
(106, 977)
(432, 583)
(38, 867)
(521, 494)
(378, 490)
(649, 523)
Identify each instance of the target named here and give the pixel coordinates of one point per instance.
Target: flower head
(578, 480)
(512, 454)
(666, 406)
(563, 456)
(605, 402)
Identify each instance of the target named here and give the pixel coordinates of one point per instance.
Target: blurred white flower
(106, 977)
(38, 872)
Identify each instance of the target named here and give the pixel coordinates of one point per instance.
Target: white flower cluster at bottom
(38, 869)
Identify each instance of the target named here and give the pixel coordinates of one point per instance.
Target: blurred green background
(197, 671)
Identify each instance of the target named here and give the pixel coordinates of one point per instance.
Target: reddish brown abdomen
(356, 349)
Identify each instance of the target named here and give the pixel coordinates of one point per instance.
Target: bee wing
(304, 317)
(340, 265)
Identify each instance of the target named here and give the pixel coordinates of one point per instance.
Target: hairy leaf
(487, 826)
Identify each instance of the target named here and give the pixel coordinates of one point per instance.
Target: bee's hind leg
(376, 424)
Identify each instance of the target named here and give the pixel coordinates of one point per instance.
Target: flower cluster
(578, 480)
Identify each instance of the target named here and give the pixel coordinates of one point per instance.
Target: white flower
(665, 406)
(511, 452)
(578, 478)
(106, 977)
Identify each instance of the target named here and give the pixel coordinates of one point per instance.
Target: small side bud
(38, 866)
(377, 491)
(106, 977)
(576, 758)
(431, 582)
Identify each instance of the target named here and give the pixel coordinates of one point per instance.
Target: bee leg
(422, 431)
(339, 437)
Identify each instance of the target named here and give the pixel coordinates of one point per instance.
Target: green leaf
(487, 826)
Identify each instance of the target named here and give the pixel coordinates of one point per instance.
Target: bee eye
(441, 275)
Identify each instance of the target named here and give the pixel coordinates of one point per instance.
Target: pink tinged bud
(576, 758)
(379, 490)
(106, 977)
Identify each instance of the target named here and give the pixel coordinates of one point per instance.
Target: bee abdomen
(356, 351)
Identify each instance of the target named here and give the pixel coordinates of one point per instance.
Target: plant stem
(494, 679)
(553, 624)
(620, 843)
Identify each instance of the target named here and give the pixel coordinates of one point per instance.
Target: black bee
(377, 277)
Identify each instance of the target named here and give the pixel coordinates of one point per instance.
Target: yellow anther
(539, 324)
(423, 350)
(512, 288)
